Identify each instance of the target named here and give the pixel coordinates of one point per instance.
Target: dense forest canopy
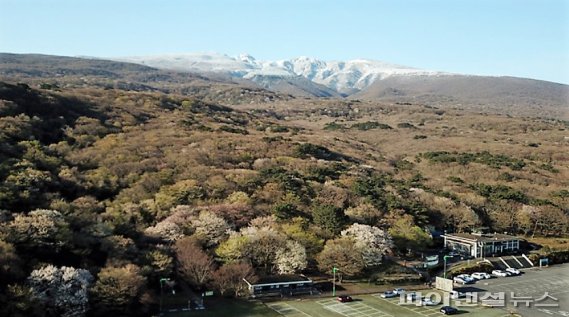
(104, 191)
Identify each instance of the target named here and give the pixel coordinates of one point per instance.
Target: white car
(389, 294)
(399, 291)
(481, 275)
(513, 271)
(428, 302)
(467, 278)
(458, 279)
(411, 296)
(499, 273)
(457, 294)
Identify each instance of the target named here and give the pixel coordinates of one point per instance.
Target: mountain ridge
(345, 77)
(238, 80)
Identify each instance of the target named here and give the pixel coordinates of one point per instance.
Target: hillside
(60, 71)
(505, 95)
(377, 80)
(227, 80)
(110, 187)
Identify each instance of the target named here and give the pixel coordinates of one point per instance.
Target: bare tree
(194, 264)
(230, 278)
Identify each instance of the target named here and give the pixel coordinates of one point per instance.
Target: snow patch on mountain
(342, 76)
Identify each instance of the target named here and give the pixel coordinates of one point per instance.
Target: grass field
(363, 306)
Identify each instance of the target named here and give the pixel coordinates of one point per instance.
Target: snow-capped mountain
(345, 77)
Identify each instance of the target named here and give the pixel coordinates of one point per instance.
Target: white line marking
(286, 309)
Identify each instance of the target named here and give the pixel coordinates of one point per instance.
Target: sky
(524, 38)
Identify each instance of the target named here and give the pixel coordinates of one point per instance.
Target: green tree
(329, 218)
(297, 229)
(10, 263)
(39, 229)
(407, 236)
(234, 248)
(117, 290)
(344, 254)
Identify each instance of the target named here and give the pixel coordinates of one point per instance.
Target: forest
(105, 191)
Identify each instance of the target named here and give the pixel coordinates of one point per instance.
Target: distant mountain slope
(243, 79)
(342, 77)
(294, 85)
(508, 95)
(50, 66)
(66, 71)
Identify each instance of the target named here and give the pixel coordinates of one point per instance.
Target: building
(482, 245)
(280, 285)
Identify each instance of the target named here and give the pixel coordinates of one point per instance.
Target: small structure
(280, 285)
(481, 245)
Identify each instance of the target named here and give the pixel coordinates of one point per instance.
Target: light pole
(445, 265)
(334, 269)
(162, 281)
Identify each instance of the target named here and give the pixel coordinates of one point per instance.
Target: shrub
(406, 125)
(507, 177)
(333, 126)
(500, 192)
(305, 150)
(231, 129)
(455, 179)
(495, 161)
(369, 125)
(548, 167)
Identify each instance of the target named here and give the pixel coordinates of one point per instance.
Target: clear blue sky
(527, 38)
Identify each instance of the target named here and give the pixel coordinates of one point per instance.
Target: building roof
(280, 279)
(482, 237)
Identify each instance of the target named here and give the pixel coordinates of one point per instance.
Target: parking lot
(526, 288)
(371, 306)
(533, 284)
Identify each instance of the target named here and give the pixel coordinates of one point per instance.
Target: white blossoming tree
(373, 242)
(62, 289)
(210, 228)
(291, 258)
(165, 230)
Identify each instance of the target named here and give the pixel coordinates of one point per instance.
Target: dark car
(448, 310)
(345, 299)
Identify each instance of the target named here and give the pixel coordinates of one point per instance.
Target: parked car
(399, 291)
(448, 310)
(428, 302)
(481, 275)
(463, 279)
(457, 294)
(469, 279)
(499, 273)
(345, 299)
(389, 294)
(514, 271)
